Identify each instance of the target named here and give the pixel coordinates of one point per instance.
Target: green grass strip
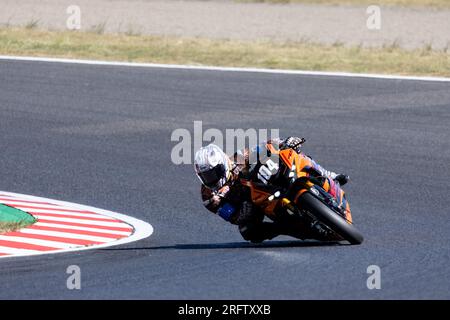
(13, 219)
(197, 51)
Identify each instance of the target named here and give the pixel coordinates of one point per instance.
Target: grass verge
(12, 219)
(12, 226)
(260, 54)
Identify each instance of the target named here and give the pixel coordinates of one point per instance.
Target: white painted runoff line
(74, 227)
(28, 204)
(227, 69)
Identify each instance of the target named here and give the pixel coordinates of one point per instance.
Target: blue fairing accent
(226, 211)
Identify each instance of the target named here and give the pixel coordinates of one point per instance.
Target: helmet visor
(212, 177)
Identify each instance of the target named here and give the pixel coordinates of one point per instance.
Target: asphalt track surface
(100, 136)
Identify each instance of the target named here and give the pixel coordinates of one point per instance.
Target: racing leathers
(233, 203)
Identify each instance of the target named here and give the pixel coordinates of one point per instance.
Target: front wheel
(330, 218)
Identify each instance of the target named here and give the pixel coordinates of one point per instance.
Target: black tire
(330, 218)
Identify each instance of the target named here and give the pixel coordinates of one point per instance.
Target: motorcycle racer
(223, 194)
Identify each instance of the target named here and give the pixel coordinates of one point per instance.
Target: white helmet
(212, 166)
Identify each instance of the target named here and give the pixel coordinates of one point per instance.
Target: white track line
(138, 229)
(6, 196)
(15, 202)
(226, 69)
(24, 202)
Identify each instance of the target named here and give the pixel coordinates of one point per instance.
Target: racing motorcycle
(286, 187)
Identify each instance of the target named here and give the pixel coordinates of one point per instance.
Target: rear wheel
(330, 218)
